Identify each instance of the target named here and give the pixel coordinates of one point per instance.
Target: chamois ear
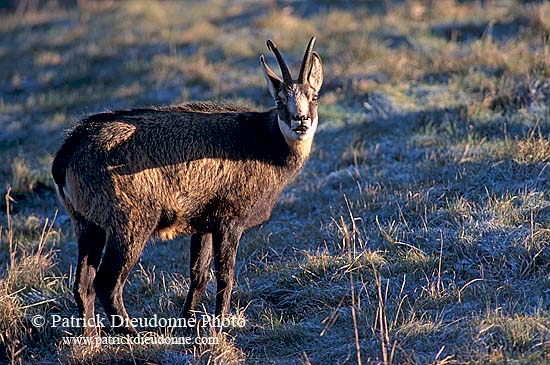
(274, 83)
(315, 77)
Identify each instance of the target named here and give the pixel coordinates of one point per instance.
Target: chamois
(200, 169)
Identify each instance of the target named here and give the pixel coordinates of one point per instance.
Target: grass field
(417, 233)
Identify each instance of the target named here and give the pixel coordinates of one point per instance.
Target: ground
(417, 233)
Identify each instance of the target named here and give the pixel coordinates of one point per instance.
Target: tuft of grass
(25, 286)
(22, 178)
(25, 178)
(517, 334)
(534, 149)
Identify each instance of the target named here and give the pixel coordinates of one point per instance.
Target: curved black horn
(287, 77)
(306, 61)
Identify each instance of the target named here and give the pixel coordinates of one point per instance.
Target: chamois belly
(186, 213)
(171, 225)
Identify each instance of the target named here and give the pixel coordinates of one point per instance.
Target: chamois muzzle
(300, 124)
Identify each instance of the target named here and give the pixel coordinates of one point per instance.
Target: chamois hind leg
(91, 240)
(201, 257)
(225, 245)
(121, 254)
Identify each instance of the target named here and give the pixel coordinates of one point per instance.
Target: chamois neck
(299, 149)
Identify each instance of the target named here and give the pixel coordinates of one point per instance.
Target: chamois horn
(287, 77)
(306, 61)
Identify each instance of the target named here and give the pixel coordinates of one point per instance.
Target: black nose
(300, 117)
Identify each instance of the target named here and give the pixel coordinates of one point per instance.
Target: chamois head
(296, 99)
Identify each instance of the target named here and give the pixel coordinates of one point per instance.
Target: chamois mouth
(300, 127)
(301, 130)
(297, 130)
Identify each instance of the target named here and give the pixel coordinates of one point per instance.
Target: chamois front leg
(225, 245)
(201, 257)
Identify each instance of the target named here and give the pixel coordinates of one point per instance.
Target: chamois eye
(315, 97)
